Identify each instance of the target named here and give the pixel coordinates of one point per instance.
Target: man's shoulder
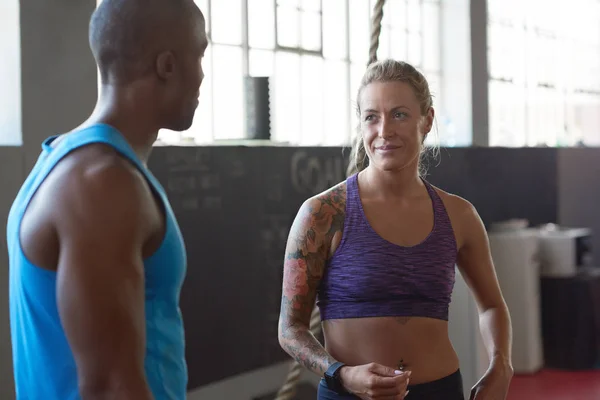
(96, 180)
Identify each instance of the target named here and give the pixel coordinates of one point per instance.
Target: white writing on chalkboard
(186, 159)
(212, 203)
(189, 204)
(209, 181)
(312, 175)
(181, 184)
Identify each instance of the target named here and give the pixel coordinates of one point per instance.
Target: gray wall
(579, 191)
(11, 162)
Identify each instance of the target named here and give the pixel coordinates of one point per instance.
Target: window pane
(337, 103)
(553, 117)
(287, 26)
(226, 18)
(168, 137)
(414, 16)
(312, 101)
(588, 118)
(286, 104)
(414, 49)
(397, 16)
(261, 62)
(288, 3)
(311, 31)
(399, 45)
(431, 37)
(383, 51)
(261, 22)
(228, 101)
(507, 114)
(312, 5)
(359, 31)
(356, 73)
(334, 29)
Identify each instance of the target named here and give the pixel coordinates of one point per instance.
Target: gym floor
(556, 385)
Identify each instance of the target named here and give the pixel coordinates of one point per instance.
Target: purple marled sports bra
(371, 277)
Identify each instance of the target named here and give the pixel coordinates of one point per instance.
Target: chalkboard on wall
(235, 206)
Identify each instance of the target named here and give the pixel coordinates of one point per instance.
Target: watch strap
(332, 377)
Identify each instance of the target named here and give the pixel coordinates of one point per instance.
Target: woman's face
(392, 126)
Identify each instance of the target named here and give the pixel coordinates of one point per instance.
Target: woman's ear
(429, 118)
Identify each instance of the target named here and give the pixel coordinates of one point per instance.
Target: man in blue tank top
(96, 257)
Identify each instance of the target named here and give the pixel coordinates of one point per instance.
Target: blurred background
(517, 98)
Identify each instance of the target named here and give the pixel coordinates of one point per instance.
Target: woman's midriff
(421, 344)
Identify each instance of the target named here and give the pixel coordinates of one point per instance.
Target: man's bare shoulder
(96, 182)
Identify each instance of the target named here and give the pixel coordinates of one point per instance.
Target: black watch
(332, 378)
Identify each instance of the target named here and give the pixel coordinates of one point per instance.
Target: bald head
(126, 36)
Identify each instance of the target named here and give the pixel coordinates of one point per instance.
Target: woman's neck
(396, 183)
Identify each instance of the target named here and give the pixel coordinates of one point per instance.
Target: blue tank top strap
(98, 133)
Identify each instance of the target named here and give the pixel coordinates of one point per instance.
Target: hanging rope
(290, 387)
(375, 30)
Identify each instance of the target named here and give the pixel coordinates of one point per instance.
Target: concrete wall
(58, 76)
(11, 167)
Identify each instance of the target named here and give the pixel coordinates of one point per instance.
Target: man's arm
(102, 226)
(307, 250)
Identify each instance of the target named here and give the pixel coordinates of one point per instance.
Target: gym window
(315, 52)
(544, 68)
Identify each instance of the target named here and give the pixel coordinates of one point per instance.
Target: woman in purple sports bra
(378, 254)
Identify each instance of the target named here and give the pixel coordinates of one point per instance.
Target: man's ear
(165, 65)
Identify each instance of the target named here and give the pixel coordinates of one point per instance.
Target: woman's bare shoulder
(331, 201)
(456, 206)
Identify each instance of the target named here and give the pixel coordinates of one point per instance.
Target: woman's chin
(390, 165)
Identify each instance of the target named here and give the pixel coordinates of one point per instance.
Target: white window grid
(544, 73)
(315, 64)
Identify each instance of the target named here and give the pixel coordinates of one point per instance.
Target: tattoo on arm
(307, 251)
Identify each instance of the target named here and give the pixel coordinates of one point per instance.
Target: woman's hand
(494, 384)
(375, 382)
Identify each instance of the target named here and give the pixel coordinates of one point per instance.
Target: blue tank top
(44, 367)
(369, 276)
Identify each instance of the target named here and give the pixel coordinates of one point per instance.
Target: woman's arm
(307, 250)
(477, 268)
